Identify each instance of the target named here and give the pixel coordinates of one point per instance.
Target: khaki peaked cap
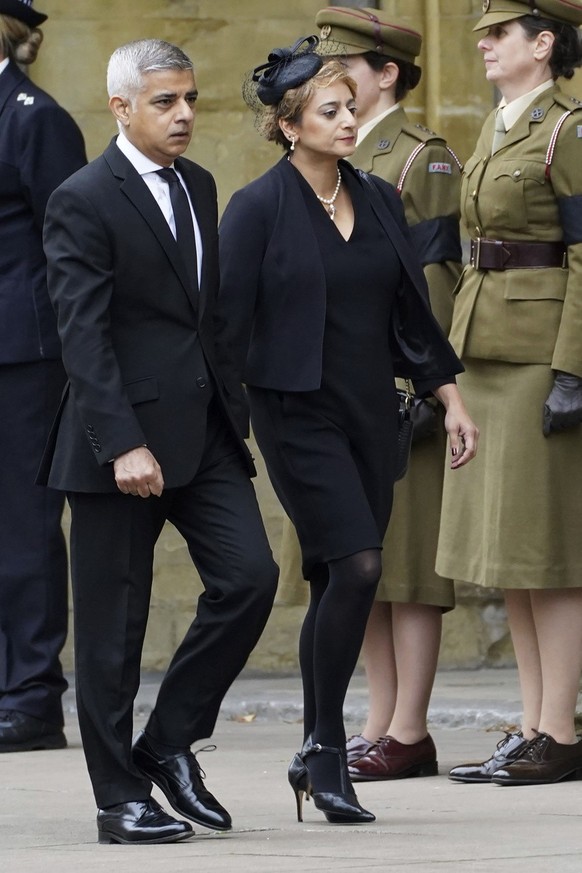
(498, 11)
(355, 31)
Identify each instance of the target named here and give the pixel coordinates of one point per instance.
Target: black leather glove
(563, 408)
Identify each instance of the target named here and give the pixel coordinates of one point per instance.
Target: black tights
(330, 642)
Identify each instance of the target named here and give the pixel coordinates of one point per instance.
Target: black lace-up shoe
(180, 776)
(508, 750)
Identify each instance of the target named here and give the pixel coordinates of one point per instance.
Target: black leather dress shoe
(508, 750)
(544, 762)
(140, 822)
(179, 776)
(24, 733)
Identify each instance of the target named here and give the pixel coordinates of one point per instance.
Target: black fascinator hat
(285, 68)
(22, 10)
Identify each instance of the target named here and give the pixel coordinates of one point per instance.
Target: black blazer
(273, 291)
(40, 145)
(137, 340)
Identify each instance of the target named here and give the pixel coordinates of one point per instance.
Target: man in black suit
(146, 434)
(40, 145)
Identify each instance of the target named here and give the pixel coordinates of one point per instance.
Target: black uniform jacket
(40, 145)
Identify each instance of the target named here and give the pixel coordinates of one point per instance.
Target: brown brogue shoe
(358, 746)
(508, 750)
(390, 759)
(544, 761)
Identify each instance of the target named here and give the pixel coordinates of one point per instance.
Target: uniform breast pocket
(520, 193)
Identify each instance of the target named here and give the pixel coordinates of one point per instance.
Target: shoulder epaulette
(567, 101)
(420, 132)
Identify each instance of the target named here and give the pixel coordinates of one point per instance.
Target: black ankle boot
(339, 807)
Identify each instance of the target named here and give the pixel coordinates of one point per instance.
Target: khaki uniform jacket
(430, 196)
(527, 315)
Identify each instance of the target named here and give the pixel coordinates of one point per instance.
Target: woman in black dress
(319, 288)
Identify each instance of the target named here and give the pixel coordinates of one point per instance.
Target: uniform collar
(366, 128)
(512, 111)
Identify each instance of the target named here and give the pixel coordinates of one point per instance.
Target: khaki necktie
(500, 131)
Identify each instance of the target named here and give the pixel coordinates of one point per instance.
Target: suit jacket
(527, 315)
(40, 145)
(274, 292)
(138, 341)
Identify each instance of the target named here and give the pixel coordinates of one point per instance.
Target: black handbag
(404, 440)
(417, 420)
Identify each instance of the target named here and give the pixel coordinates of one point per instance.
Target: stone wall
(226, 38)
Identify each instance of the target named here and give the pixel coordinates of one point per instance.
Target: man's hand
(138, 473)
(563, 408)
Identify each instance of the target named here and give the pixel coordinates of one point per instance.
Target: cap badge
(384, 143)
(325, 31)
(537, 113)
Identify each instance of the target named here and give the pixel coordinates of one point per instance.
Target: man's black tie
(184, 224)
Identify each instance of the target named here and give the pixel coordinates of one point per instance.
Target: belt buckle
(475, 252)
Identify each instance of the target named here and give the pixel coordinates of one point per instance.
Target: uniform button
(517, 173)
(474, 194)
(201, 382)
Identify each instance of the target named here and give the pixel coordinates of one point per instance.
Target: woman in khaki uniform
(403, 634)
(513, 521)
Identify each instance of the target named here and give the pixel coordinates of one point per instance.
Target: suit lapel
(135, 189)
(388, 221)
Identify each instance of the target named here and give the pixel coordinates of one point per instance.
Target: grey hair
(131, 62)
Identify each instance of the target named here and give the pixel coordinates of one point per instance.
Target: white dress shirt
(160, 190)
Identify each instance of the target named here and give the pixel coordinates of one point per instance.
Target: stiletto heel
(340, 807)
(298, 775)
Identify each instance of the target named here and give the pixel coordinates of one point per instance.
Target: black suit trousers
(33, 555)
(112, 546)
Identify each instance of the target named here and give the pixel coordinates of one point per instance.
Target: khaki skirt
(409, 547)
(513, 517)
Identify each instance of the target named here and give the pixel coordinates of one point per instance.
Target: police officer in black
(40, 146)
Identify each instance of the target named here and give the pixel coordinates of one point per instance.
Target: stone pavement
(429, 825)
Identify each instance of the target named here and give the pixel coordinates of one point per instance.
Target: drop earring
(292, 144)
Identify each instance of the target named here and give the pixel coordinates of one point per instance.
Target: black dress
(330, 452)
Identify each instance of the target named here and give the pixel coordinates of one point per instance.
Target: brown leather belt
(498, 254)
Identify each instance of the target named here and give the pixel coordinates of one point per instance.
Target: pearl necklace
(329, 202)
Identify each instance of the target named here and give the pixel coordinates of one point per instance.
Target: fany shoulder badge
(440, 167)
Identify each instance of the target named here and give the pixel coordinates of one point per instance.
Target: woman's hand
(463, 432)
